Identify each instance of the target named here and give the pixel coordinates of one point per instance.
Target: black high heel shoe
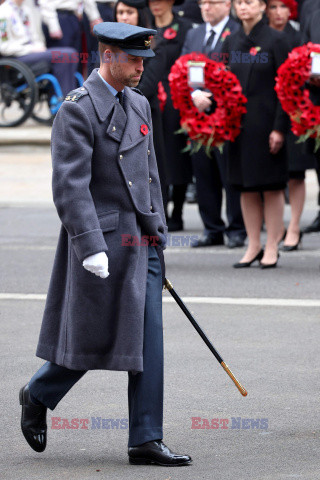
(248, 264)
(292, 248)
(263, 266)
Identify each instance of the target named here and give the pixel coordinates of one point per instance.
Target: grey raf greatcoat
(105, 185)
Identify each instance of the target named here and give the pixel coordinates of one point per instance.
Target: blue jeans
(145, 389)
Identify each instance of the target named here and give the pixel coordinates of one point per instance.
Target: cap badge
(147, 43)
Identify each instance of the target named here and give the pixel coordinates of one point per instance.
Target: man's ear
(106, 56)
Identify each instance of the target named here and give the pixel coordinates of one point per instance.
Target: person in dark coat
(257, 160)
(279, 13)
(107, 193)
(312, 34)
(135, 12)
(172, 30)
(211, 173)
(189, 10)
(308, 8)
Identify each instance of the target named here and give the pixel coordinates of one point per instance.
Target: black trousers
(145, 389)
(211, 174)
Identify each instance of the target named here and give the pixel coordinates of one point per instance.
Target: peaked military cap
(131, 39)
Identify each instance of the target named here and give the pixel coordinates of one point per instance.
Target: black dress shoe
(314, 226)
(208, 241)
(33, 421)
(156, 452)
(264, 266)
(248, 264)
(235, 242)
(292, 248)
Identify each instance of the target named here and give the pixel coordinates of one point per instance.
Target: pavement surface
(265, 324)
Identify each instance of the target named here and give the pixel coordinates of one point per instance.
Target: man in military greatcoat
(103, 308)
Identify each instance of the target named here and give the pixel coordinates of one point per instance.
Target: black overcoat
(298, 159)
(251, 165)
(105, 188)
(154, 69)
(178, 165)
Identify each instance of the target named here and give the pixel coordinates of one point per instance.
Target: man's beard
(132, 82)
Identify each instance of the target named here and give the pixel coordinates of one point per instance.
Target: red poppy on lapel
(254, 50)
(144, 129)
(171, 32)
(225, 34)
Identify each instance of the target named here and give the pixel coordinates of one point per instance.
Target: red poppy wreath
(225, 122)
(295, 100)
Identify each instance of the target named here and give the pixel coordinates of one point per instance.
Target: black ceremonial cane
(204, 337)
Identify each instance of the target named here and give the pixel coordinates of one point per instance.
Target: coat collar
(132, 134)
(255, 32)
(102, 99)
(125, 123)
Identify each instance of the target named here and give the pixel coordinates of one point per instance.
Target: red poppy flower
(162, 96)
(226, 33)
(253, 51)
(169, 34)
(144, 129)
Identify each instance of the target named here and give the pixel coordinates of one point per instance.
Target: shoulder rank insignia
(138, 91)
(75, 95)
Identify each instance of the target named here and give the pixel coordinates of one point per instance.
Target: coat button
(114, 129)
(130, 184)
(151, 208)
(149, 152)
(121, 157)
(150, 180)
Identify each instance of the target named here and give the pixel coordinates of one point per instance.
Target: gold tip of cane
(168, 285)
(241, 389)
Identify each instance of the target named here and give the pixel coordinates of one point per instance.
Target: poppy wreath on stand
(224, 124)
(294, 98)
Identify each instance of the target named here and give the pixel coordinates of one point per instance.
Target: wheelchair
(28, 91)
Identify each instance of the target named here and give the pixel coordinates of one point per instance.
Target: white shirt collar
(217, 28)
(110, 87)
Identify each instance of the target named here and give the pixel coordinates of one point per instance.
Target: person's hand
(276, 140)
(201, 100)
(315, 81)
(97, 264)
(56, 35)
(95, 22)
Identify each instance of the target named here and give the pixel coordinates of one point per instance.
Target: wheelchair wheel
(41, 111)
(18, 92)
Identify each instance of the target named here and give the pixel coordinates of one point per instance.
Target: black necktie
(120, 97)
(208, 46)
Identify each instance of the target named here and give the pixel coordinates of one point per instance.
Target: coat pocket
(109, 221)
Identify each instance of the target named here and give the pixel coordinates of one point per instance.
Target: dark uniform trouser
(211, 178)
(145, 389)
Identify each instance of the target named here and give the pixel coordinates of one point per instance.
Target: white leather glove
(97, 264)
